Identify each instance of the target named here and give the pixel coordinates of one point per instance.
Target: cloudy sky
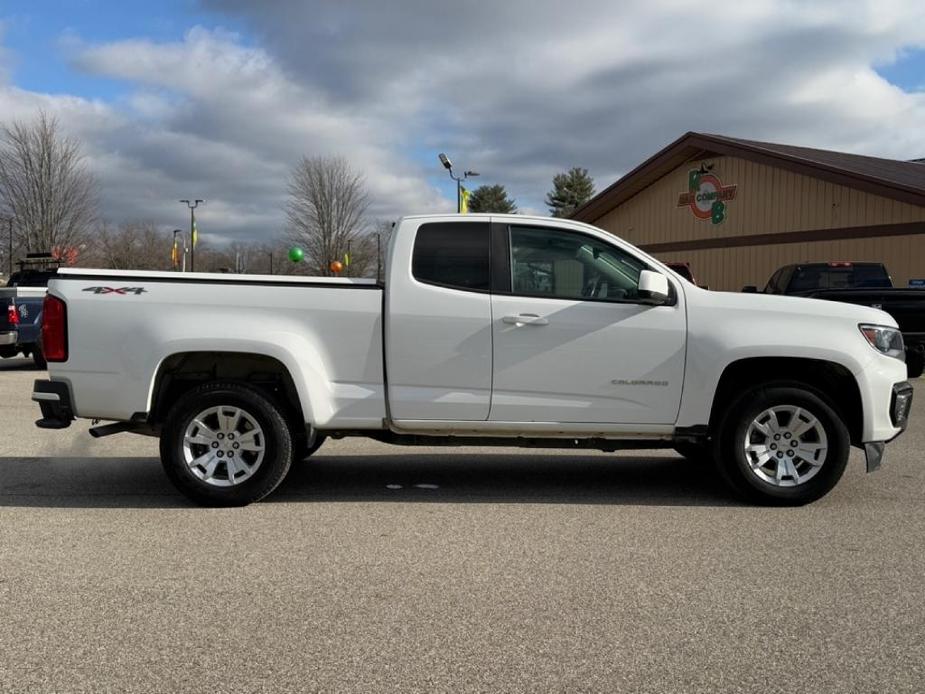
(217, 99)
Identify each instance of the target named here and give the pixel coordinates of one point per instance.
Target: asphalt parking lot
(505, 571)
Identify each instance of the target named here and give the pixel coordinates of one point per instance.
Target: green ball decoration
(296, 254)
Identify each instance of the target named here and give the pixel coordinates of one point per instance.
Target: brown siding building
(737, 210)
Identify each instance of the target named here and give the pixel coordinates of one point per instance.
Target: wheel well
(833, 381)
(182, 372)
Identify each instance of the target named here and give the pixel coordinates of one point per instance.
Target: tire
(699, 453)
(38, 358)
(792, 412)
(229, 472)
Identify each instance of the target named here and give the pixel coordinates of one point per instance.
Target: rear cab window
(456, 255)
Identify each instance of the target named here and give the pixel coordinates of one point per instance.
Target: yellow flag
(195, 234)
(346, 259)
(175, 253)
(463, 200)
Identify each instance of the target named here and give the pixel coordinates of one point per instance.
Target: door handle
(525, 319)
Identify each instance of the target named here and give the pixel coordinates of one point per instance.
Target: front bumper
(8, 338)
(900, 407)
(54, 398)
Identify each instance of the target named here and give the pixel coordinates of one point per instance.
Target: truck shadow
(407, 477)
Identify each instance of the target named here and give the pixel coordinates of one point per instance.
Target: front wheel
(782, 444)
(225, 444)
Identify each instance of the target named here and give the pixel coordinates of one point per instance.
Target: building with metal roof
(736, 209)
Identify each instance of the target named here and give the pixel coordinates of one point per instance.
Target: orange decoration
(336, 267)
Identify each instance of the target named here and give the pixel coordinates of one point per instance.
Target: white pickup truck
(486, 330)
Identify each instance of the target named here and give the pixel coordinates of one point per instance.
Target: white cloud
(213, 119)
(517, 90)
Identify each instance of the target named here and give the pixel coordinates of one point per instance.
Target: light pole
(192, 232)
(9, 221)
(183, 248)
(270, 253)
(448, 165)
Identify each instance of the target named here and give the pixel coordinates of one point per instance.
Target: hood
(794, 305)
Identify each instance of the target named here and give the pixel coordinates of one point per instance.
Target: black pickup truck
(868, 284)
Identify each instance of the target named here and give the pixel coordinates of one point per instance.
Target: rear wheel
(782, 444)
(225, 444)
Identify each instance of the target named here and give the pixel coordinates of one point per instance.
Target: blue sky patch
(908, 72)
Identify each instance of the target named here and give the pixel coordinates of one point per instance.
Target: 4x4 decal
(116, 290)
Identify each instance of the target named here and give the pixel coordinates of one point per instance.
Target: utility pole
(10, 259)
(193, 235)
(270, 253)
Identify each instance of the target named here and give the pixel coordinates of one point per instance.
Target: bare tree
(45, 186)
(326, 210)
(132, 246)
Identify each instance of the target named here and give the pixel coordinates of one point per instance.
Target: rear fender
(303, 365)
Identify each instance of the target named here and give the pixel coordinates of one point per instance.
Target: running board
(118, 428)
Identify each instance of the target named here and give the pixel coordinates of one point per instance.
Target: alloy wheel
(223, 446)
(786, 446)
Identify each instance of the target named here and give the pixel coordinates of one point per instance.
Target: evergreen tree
(491, 199)
(570, 191)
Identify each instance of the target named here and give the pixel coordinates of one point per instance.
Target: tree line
(51, 196)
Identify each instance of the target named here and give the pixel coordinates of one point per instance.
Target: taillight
(54, 329)
(12, 315)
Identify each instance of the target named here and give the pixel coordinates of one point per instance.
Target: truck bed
(327, 329)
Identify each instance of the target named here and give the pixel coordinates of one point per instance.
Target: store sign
(706, 195)
(917, 284)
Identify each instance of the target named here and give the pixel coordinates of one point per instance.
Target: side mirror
(750, 289)
(653, 287)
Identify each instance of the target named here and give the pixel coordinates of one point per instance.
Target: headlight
(888, 341)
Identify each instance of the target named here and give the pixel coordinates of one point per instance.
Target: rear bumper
(8, 338)
(54, 399)
(28, 335)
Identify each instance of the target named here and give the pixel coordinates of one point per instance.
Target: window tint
(568, 265)
(453, 254)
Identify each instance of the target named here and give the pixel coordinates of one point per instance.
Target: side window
(453, 254)
(568, 265)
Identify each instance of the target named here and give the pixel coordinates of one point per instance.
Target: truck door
(573, 341)
(438, 321)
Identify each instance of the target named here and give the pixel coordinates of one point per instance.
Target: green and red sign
(706, 195)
